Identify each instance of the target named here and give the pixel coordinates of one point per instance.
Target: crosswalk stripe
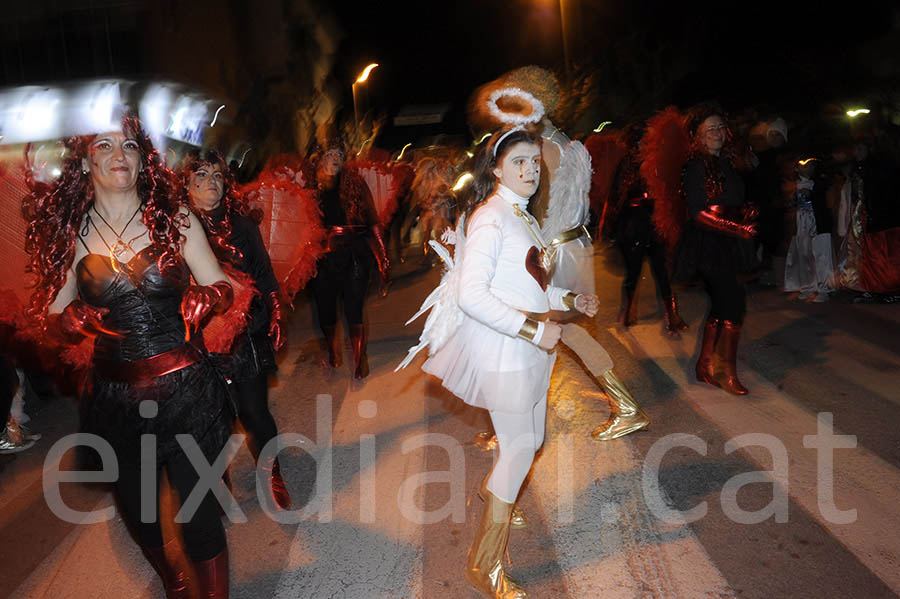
(862, 480)
(606, 543)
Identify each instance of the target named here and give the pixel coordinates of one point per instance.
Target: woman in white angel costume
(563, 208)
(498, 353)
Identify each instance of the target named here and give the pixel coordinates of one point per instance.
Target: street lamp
(361, 79)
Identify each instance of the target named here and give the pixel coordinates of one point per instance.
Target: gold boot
(517, 518)
(625, 414)
(486, 440)
(484, 564)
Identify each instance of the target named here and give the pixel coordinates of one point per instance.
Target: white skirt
(490, 370)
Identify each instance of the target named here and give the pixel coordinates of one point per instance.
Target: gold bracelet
(529, 330)
(568, 300)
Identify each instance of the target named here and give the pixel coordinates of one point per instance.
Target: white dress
(568, 213)
(484, 362)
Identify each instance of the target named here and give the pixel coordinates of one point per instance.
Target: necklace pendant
(119, 248)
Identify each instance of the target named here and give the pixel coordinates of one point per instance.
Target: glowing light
(601, 126)
(462, 180)
(365, 74)
(56, 172)
(216, 116)
(857, 112)
(400, 157)
(241, 163)
(805, 161)
(483, 137)
(469, 154)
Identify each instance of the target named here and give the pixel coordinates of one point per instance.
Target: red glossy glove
(199, 301)
(713, 218)
(380, 252)
(276, 332)
(77, 321)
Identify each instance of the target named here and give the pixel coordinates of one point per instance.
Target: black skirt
(706, 252)
(193, 401)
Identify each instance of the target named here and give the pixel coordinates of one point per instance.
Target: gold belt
(570, 235)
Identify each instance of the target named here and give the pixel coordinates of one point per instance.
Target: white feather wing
(569, 202)
(445, 316)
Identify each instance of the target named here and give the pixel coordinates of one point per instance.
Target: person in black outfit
(716, 243)
(233, 230)
(353, 237)
(133, 272)
(630, 218)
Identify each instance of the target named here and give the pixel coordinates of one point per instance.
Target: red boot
(674, 322)
(705, 367)
(212, 577)
(174, 576)
(278, 491)
(629, 308)
(334, 353)
(727, 352)
(358, 340)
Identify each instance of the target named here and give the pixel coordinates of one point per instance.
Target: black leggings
(204, 535)
(252, 397)
(727, 297)
(633, 253)
(343, 272)
(9, 382)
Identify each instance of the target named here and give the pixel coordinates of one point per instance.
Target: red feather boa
(665, 149)
(221, 330)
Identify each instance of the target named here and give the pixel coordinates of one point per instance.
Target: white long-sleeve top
(495, 287)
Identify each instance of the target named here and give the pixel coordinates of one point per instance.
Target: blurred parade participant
(354, 236)
(566, 207)
(114, 254)
(233, 230)
(433, 197)
(14, 437)
(500, 358)
(764, 189)
(809, 267)
(716, 242)
(630, 216)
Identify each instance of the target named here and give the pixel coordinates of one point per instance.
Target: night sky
(781, 54)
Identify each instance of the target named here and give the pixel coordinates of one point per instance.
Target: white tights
(519, 436)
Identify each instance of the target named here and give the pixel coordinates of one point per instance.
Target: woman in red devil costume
(234, 234)
(353, 237)
(114, 257)
(716, 242)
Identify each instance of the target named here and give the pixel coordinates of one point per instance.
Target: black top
(245, 236)
(733, 191)
(702, 249)
(330, 204)
(142, 301)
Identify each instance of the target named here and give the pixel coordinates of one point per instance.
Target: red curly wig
(55, 212)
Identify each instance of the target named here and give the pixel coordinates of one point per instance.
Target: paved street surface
(724, 497)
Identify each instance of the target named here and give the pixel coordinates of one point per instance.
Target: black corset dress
(144, 304)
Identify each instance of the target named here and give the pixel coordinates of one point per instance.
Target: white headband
(504, 136)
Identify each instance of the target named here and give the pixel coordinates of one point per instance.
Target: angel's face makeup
(520, 168)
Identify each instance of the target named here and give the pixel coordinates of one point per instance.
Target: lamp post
(565, 39)
(363, 76)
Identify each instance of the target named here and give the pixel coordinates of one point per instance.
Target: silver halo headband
(504, 136)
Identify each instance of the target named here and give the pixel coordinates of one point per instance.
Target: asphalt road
(790, 492)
